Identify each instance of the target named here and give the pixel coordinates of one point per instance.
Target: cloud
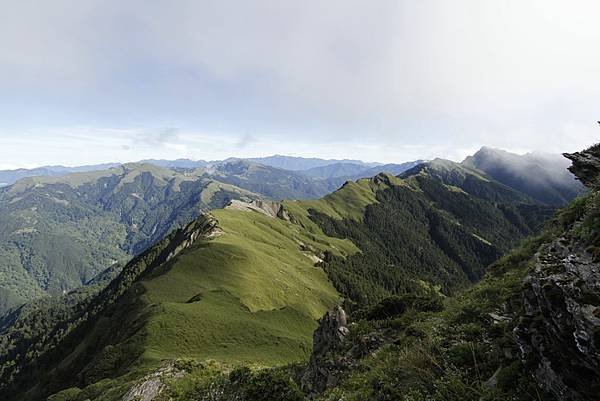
(378, 77)
(245, 140)
(160, 137)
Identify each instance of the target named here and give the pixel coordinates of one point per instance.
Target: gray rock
(323, 370)
(586, 166)
(152, 385)
(560, 330)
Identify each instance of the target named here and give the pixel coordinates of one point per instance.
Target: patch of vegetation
(209, 384)
(417, 232)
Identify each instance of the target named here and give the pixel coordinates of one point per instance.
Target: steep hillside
(239, 287)
(439, 223)
(56, 233)
(542, 176)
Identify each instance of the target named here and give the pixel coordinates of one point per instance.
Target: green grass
(349, 202)
(248, 296)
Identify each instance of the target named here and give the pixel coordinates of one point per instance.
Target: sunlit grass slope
(251, 295)
(348, 202)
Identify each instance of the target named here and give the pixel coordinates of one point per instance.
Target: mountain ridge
(542, 176)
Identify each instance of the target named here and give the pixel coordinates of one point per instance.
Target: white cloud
(390, 80)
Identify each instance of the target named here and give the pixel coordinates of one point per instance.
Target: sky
(92, 81)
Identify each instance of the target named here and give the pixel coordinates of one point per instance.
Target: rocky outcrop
(323, 369)
(266, 207)
(205, 226)
(560, 329)
(335, 352)
(586, 166)
(153, 385)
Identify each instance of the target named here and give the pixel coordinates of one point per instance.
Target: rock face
(152, 386)
(206, 226)
(559, 333)
(560, 330)
(586, 166)
(322, 370)
(266, 207)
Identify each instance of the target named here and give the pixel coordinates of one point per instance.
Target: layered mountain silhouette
(542, 176)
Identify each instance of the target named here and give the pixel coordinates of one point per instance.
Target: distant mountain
(353, 171)
(301, 163)
(542, 176)
(394, 169)
(56, 233)
(272, 182)
(178, 163)
(337, 170)
(8, 177)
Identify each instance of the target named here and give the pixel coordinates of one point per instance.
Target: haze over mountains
(557, 186)
(291, 163)
(544, 177)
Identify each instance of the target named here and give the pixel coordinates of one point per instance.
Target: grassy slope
(250, 296)
(348, 202)
(260, 296)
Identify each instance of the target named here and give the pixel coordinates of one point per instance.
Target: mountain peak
(542, 176)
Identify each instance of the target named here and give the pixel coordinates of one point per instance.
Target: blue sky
(95, 81)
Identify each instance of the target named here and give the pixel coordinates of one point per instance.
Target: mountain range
(60, 230)
(210, 287)
(246, 285)
(8, 177)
